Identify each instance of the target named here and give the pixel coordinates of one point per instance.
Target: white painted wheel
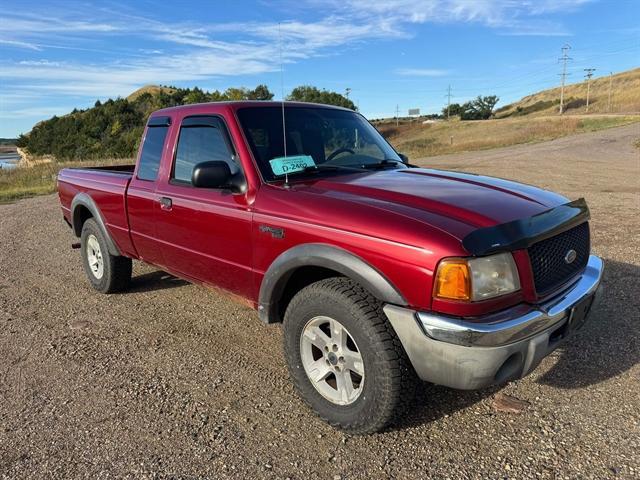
(94, 257)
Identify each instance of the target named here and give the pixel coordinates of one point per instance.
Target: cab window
(201, 139)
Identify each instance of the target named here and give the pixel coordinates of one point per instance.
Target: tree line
(479, 109)
(112, 129)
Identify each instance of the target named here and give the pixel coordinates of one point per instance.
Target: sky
(58, 55)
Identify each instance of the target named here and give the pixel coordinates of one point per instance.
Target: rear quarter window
(151, 154)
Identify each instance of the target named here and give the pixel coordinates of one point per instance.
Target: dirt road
(171, 380)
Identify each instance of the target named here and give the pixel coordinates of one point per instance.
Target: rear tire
(382, 383)
(107, 273)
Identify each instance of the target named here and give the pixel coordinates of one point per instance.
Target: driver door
(206, 232)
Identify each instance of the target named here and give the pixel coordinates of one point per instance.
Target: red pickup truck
(380, 272)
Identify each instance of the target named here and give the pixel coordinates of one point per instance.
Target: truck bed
(107, 188)
(110, 168)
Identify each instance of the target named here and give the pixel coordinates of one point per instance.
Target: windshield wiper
(325, 167)
(387, 162)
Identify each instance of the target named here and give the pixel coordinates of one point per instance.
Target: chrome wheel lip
(94, 257)
(337, 359)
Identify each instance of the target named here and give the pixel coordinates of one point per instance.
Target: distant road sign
(414, 111)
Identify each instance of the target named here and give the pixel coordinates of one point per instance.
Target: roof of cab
(235, 105)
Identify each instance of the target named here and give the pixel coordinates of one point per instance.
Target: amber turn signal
(453, 280)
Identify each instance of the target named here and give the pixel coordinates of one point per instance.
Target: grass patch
(25, 182)
(417, 140)
(590, 124)
(423, 145)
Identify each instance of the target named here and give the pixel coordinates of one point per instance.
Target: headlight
(476, 278)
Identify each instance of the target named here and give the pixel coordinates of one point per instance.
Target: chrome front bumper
(507, 345)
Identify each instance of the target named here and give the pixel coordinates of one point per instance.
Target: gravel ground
(171, 380)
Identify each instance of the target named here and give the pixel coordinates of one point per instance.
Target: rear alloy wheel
(344, 357)
(94, 257)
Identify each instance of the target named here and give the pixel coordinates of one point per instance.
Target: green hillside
(113, 129)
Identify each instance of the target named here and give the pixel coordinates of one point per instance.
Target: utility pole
(588, 76)
(610, 83)
(397, 113)
(448, 95)
(564, 59)
(347, 91)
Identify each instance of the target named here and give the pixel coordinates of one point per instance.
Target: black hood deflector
(523, 233)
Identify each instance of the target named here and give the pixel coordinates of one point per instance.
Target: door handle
(165, 203)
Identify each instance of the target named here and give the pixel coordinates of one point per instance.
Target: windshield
(324, 136)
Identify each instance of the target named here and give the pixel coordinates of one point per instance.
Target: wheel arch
(83, 207)
(304, 264)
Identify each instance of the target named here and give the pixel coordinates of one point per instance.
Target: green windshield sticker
(296, 163)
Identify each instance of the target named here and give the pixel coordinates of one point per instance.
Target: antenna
(284, 124)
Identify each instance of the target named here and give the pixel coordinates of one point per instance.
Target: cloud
(421, 72)
(20, 44)
(30, 23)
(39, 63)
(38, 111)
(538, 29)
(508, 15)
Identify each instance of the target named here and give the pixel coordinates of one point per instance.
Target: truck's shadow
(433, 402)
(153, 281)
(607, 346)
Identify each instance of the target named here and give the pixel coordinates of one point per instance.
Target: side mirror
(403, 157)
(215, 174)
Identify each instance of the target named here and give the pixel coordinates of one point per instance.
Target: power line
(588, 76)
(564, 59)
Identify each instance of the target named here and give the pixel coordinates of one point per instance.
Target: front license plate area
(580, 312)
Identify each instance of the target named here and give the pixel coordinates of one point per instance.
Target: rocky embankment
(28, 160)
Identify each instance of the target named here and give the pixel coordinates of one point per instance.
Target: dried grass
(40, 179)
(418, 140)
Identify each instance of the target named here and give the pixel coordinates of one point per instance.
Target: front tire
(107, 273)
(344, 358)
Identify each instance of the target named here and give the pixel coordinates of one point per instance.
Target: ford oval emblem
(570, 256)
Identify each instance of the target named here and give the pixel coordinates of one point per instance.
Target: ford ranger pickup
(381, 273)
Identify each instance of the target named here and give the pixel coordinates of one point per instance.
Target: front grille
(550, 270)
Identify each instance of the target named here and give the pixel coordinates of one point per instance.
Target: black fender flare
(326, 256)
(84, 200)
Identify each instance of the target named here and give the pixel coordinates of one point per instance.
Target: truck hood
(451, 201)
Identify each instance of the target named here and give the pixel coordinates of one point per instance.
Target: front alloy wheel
(331, 360)
(344, 357)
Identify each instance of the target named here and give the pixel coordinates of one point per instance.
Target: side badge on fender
(274, 231)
